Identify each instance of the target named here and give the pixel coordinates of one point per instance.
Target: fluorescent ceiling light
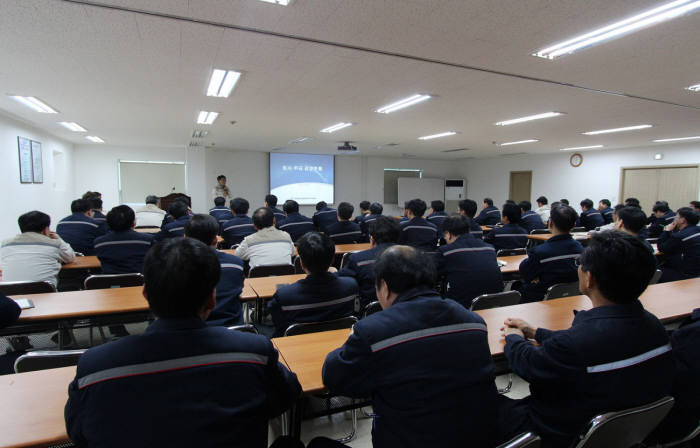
(205, 117)
(577, 148)
(678, 139)
(278, 2)
(528, 118)
(222, 83)
(400, 104)
(694, 88)
(299, 140)
(519, 142)
(336, 127)
(73, 126)
(94, 139)
(198, 133)
(442, 134)
(610, 131)
(34, 104)
(653, 16)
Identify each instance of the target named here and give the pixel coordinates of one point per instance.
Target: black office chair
(655, 278)
(315, 327)
(49, 359)
(272, 270)
(17, 288)
(113, 281)
(539, 231)
(511, 252)
(579, 230)
(562, 290)
(525, 440)
(297, 265)
(246, 328)
(495, 300)
(624, 428)
(372, 308)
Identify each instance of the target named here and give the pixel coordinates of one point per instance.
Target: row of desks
(32, 411)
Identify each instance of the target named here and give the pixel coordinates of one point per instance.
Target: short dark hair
(80, 206)
(621, 264)
(563, 218)
(364, 205)
(180, 273)
(317, 251)
(555, 204)
(219, 177)
(376, 208)
(605, 202)
(121, 218)
(34, 221)
(345, 210)
(564, 201)
(468, 206)
(219, 201)
(512, 212)
(456, 225)
(632, 202)
(660, 206)
(321, 205)
(542, 200)
(95, 203)
(417, 207)
(151, 199)
(525, 205)
(510, 201)
(271, 200)
(404, 268)
(263, 218)
(91, 194)
(202, 227)
(240, 206)
(619, 207)
(586, 203)
(290, 206)
(695, 204)
(633, 218)
(178, 209)
(437, 206)
(488, 201)
(385, 230)
(690, 215)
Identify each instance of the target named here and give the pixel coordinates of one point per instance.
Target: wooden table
(148, 230)
(265, 287)
(87, 262)
(547, 236)
(32, 411)
(513, 266)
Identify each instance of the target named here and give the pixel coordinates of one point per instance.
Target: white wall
(50, 197)
(552, 175)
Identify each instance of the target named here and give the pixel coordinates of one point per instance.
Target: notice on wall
(37, 165)
(26, 173)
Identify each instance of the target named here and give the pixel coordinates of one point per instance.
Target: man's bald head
(404, 268)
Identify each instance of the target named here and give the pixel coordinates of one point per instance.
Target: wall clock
(576, 160)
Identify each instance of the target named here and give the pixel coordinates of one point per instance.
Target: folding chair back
(562, 290)
(315, 327)
(372, 308)
(49, 359)
(247, 328)
(272, 270)
(655, 278)
(113, 281)
(510, 252)
(539, 232)
(525, 440)
(495, 300)
(17, 288)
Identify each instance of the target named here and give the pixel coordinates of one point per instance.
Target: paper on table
(25, 304)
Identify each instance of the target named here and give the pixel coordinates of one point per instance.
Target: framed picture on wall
(26, 173)
(37, 165)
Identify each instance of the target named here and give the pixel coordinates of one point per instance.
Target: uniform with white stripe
(612, 358)
(123, 252)
(510, 236)
(426, 364)
(237, 228)
(437, 218)
(80, 232)
(180, 383)
(173, 229)
(228, 309)
(475, 230)
(590, 219)
(344, 232)
(531, 221)
(607, 214)
(489, 216)
(221, 214)
(682, 250)
(318, 297)
(296, 225)
(365, 222)
(324, 218)
(547, 264)
(656, 227)
(360, 266)
(419, 233)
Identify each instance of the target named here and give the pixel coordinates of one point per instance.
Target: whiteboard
(140, 179)
(425, 189)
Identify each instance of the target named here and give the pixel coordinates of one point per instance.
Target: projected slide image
(305, 178)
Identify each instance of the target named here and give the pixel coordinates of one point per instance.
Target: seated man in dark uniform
(437, 215)
(240, 225)
(615, 356)
(530, 220)
(375, 211)
(295, 224)
(553, 261)
(416, 231)
(97, 214)
(680, 243)
(662, 216)
(384, 232)
(228, 309)
(632, 220)
(364, 211)
(606, 211)
(468, 265)
(321, 296)
(179, 212)
(590, 218)
(271, 203)
(324, 217)
(180, 383)
(489, 215)
(467, 208)
(79, 229)
(511, 235)
(123, 250)
(220, 212)
(424, 361)
(344, 231)
(9, 311)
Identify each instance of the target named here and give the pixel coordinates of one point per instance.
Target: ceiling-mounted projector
(347, 147)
